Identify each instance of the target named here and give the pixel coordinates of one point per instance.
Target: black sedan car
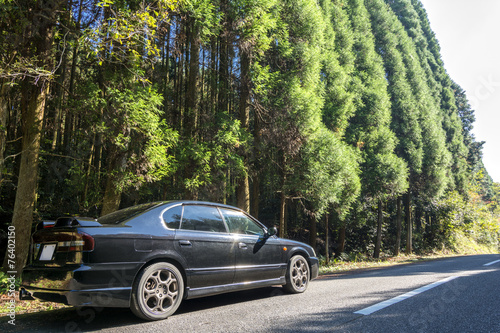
(152, 256)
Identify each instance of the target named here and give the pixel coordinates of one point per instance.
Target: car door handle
(242, 246)
(185, 243)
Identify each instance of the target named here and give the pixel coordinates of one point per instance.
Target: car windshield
(125, 214)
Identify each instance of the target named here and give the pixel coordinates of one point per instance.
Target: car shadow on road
(93, 319)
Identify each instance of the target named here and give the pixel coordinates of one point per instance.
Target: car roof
(201, 203)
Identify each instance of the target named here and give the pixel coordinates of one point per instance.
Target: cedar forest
(334, 120)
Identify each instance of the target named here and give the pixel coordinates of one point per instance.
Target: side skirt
(214, 290)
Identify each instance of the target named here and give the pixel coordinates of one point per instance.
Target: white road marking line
(371, 309)
(491, 263)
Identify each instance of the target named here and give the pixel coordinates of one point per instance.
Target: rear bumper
(84, 285)
(108, 297)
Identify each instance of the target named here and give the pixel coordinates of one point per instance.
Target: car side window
(239, 223)
(172, 217)
(202, 218)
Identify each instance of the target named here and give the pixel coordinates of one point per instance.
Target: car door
(256, 258)
(202, 239)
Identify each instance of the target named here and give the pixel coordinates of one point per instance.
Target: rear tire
(297, 275)
(157, 291)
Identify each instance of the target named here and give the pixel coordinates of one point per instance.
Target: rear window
(125, 214)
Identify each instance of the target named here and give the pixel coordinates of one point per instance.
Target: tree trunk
(378, 242)
(113, 193)
(59, 95)
(254, 207)
(398, 227)
(327, 241)
(4, 111)
(282, 215)
(213, 78)
(341, 241)
(223, 72)
(68, 121)
(313, 229)
(166, 68)
(409, 227)
(418, 219)
(191, 116)
(112, 197)
(43, 18)
(178, 80)
(22, 220)
(256, 171)
(243, 195)
(88, 172)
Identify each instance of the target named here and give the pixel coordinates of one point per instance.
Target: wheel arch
(169, 259)
(303, 252)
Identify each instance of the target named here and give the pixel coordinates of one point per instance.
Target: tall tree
(405, 120)
(384, 175)
(36, 25)
(130, 113)
(439, 86)
(290, 92)
(254, 32)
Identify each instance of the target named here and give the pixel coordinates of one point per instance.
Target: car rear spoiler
(69, 222)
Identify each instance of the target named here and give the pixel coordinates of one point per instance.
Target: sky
(468, 32)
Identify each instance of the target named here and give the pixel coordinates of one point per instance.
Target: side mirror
(271, 231)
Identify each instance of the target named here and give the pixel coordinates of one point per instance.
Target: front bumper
(314, 263)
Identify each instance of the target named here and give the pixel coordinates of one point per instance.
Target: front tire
(157, 291)
(297, 275)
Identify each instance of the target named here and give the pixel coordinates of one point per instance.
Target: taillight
(88, 242)
(80, 242)
(45, 225)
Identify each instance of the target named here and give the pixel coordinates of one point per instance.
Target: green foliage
(340, 105)
(405, 116)
(6, 283)
(258, 18)
(473, 218)
(127, 32)
(326, 179)
(384, 174)
(292, 92)
(440, 96)
(210, 163)
(133, 125)
(203, 14)
(338, 68)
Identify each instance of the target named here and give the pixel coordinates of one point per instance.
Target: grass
(22, 307)
(361, 262)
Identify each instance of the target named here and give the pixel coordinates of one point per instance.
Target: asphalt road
(449, 295)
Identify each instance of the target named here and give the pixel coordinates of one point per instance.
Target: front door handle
(242, 246)
(185, 243)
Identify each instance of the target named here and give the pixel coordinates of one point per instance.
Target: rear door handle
(185, 243)
(242, 246)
